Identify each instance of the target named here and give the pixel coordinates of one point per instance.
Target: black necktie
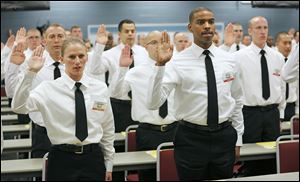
(56, 70)
(237, 47)
(80, 114)
(287, 86)
(212, 102)
(131, 66)
(264, 76)
(163, 110)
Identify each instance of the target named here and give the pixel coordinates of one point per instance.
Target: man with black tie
(284, 46)
(208, 102)
(259, 67)
(109, 61)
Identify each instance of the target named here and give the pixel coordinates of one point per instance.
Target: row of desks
(125, 161)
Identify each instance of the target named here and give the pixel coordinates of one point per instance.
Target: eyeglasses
(153, 42)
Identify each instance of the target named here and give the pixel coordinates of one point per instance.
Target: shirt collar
(256, 49)
(134, 47)
(197, 51)
(71, 83)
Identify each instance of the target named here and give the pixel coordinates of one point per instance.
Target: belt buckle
(81, 150)
(163, 128)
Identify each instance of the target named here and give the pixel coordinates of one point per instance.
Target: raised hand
(10, 41)
(17, 56)
(21, 36)
(164, 51)
(125, 58)
(36, 61)
(102, 35)
(228, 35)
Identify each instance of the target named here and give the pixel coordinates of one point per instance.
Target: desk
(6, 110)
(9, 119)
(24, 145)
(122, 161)
(33, 167)
(4, 98)
(4, 103)
(294, 176)
(16, 129)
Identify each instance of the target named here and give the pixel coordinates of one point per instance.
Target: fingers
(38, 51)
(127, 50)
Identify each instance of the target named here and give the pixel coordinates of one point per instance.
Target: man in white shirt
(233, 38)
(284, 46)
(79, 121)
(208, 102)
(76, 32)
(246, 40)
(290, 72)
(110, 62)
(259, 68)
(155, 126)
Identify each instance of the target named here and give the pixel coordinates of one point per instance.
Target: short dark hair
(191, 17)
(279, 34)
(74, 26)
(124, 21)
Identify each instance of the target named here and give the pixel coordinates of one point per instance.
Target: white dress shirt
(249, 68)
(290, 72)
(136, 80)
(55, 100)
(232, 48)
(186, 74)
(109, 61)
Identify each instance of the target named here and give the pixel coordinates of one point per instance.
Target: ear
(62, 60)
(250, 31)
(190, 28)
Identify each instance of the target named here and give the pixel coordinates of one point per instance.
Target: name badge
(99, 106)
(227, 77)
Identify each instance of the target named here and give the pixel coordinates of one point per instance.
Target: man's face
(152, 42)
(54, 38)
(203, 27)
(237, 33)
(34, 39)
(181, 42)
(76, 32)
(127, 34)
(259, 30)
(284, 45)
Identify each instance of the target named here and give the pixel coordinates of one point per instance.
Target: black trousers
(204, 155)
(261, 125)
(40, 141)
(122, 114)
(22, 118)
(67, 166)
(148, 139)
(289, 111)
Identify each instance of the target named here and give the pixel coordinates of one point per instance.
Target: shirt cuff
(109, 166)
(30, 75)
(281, 113)
(239, 141)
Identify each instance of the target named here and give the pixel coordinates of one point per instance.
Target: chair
(45, 167)
(165, 164)
(295, 125)
(287, 153)
(130, 145)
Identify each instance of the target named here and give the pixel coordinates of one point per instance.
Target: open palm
(36, 62)
(17, 56)
(125, 58)
(102, 35)
(164, 49)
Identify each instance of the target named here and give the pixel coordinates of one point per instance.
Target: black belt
(205, 128)
(120, 101)
(77, 149)
(261, 108)
(162, 128)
